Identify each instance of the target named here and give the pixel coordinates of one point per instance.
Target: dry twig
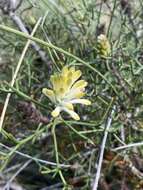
(109, 121)
(16, 73)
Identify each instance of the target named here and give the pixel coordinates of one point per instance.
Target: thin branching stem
(57, 154)
(50, 45)
(138, 144)
(16, 73)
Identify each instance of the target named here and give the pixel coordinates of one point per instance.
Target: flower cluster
(67, 90)
(103, 46)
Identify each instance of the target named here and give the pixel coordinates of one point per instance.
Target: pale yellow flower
(67, 91)
(103, 46)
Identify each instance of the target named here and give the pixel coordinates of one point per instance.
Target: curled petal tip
(55, 112)
(85, 102)
(88, 102)
(44, 90)
(72, 113)
(75, 116)
(81, 101)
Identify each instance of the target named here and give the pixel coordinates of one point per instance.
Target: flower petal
(65, 71)
(68, 105)
(73, 114)
(54, 81)
(76, 75)
(74, 94)
(49, 93)
(81, 101)
(80, 94)
(79, 84)
(72, 69)
(56, 112)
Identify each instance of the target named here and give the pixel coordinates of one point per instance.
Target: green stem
(111, 18)
(56, 153)
(21, 143)
(78, 133)
(50, 45)
(21, 94)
